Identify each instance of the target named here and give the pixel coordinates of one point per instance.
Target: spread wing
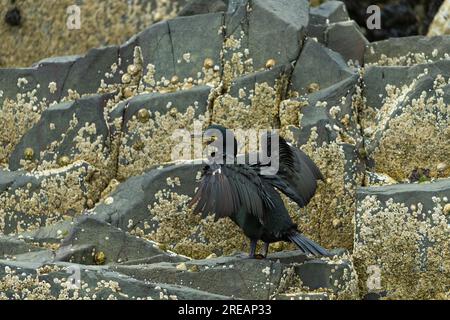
(297, 174)
(227, 189)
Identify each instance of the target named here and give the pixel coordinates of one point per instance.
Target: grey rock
(347, 39)
(403, 201)
(328, 12)
(148, 132)
(132, 198)
(223, 276)
(203, 6)
(302, 296)
(41, 256)
(93, 66)
(320, 65)
(78, 253)
(115, 244)
(7, 178)
(42, 74)
(318, 274)
(319, 117)
(432, 49)
(46, 194)
(164, 45)
(409, 194)
(376, 78)
(55, 127)
(97, 282)
(249, 82)
(11, 246)
(272, 29)
(420, 78)
(50, 234)
(245, 278)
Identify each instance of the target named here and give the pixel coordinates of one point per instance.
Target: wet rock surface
(90, 191)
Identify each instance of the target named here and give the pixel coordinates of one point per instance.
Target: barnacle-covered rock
(402, 240)
(104, 244)
(267, 29)
(30, 201)
(407, 51)
(408, 126)
(252, 101)
(324, 124)
(320, 66)
(113, 23)
(147, 123)
(38, 281)
(65, 133)
(265, 279)
(440, 25)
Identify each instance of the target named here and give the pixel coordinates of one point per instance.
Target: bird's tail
(306, 245)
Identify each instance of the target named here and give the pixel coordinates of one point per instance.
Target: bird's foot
(256, 256)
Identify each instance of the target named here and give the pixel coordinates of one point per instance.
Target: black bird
(250, 198)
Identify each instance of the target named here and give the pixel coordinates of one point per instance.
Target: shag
(250, 198)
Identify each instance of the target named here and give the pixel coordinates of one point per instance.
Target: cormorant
(250, 198)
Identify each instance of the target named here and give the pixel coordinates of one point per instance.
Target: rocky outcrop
(90, 185)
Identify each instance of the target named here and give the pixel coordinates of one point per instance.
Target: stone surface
(318, 65)
(90, 186)
(412, 105)
(112, 245)
(148, 123)
(347, 39)
(268, 29)
(31, 201)
(203, 7)
(96, 283)
(392, 220)
(407, 51)
(73, 129)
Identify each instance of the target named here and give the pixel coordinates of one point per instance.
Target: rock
(317, 274)
(399, 114)
(326, 129)
(263, 278)
(319, 65)
(407, 223)
(328, 12)
(407, 51)
(268, 29)
(28, 43)
(92, 237)
(74, 130)
(320, 17)
(302, 296)
(221, 276)
(439, 26)
(164, 46)
(75, 253)
(148, 123)
(251, 101)
(36, 78)
(325, 111)
(131, 199)
(11, 246)
(92, 66)
(59, 281)
(44, 198)
(347, 39)
(203, 6)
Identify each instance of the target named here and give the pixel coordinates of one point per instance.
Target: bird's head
(222, 140)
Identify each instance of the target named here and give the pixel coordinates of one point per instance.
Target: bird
(250, 197)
